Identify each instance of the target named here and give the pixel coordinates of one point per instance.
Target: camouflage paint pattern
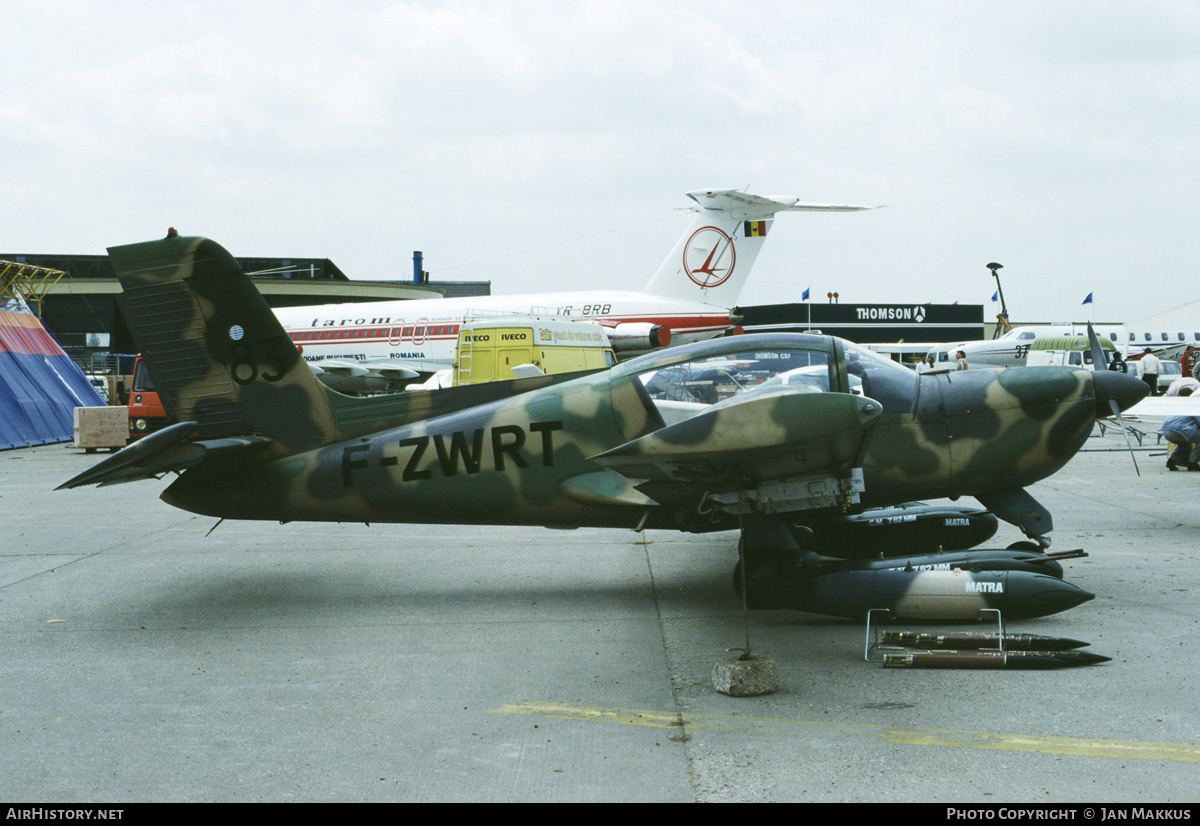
(508, 452)
(980, 430)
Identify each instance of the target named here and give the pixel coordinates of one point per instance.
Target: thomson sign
(870, 323)
(914, 314)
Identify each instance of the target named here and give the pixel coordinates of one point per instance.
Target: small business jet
(1012, 348)
(691, 297)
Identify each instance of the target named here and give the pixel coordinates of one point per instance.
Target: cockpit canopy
(688, 380)
(887, 382)
(1018, 335)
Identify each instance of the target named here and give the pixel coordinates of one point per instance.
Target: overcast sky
(547, 145)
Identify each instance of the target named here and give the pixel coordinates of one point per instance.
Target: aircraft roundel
(709, 257)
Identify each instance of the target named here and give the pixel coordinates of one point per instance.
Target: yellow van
(488, 350)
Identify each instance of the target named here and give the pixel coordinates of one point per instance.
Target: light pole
(1002, 317)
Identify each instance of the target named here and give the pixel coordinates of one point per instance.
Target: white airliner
(690, 297)
(1012, 348)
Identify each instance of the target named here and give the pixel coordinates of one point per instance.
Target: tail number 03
(265, 353)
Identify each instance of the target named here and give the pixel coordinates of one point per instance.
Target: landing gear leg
(1019, 508)
(771, 556)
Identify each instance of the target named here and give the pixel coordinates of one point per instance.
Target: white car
(1168, 371)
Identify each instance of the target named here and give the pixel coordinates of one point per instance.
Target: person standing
(1150, 365)
(1117, 364)
(961, 363)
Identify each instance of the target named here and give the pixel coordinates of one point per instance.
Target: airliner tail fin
(712, 260)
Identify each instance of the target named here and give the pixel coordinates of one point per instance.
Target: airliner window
(892, 385)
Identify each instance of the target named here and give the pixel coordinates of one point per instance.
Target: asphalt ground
(145, 659)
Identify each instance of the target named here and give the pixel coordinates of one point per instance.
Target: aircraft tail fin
(217, 353)
(712, 260)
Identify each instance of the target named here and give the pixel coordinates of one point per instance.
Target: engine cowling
(638, 336)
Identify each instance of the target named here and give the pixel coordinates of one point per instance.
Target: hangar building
(871, 323)
(81, 310)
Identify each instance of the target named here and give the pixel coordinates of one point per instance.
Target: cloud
(527, 142)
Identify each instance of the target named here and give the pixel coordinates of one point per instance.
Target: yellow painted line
(899, 735)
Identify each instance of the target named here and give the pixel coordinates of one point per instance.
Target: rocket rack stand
(872, 643)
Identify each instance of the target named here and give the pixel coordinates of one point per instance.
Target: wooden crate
(101, 427)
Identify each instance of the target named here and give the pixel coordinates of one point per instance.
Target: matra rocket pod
(905, 529)
(937, 595)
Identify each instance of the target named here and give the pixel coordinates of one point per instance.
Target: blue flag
(1087, 300)
(805, 296)
(995, 295)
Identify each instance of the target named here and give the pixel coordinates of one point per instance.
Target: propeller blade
(1116, 409)
(1098, 360)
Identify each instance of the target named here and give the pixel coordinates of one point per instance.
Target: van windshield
(142, 382)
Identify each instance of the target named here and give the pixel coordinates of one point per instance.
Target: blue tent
(40, 386)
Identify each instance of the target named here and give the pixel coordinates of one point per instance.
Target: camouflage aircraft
(782, 437)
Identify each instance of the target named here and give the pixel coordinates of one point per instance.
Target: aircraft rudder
(216, 351)
(711, 261)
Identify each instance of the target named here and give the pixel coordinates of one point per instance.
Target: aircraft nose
(1124, 389)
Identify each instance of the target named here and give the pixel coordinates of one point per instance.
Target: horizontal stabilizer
(712, 260)
(156, 454)
(742, 206)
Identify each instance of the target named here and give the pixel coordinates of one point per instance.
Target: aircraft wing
(776, 449)
(1159, 407)
(1164, 351)
(356, 376)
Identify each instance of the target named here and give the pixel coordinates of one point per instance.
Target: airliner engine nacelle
(638, 336)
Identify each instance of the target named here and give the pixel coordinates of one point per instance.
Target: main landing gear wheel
(770, 554)
(1025, 545)
(767, 588)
